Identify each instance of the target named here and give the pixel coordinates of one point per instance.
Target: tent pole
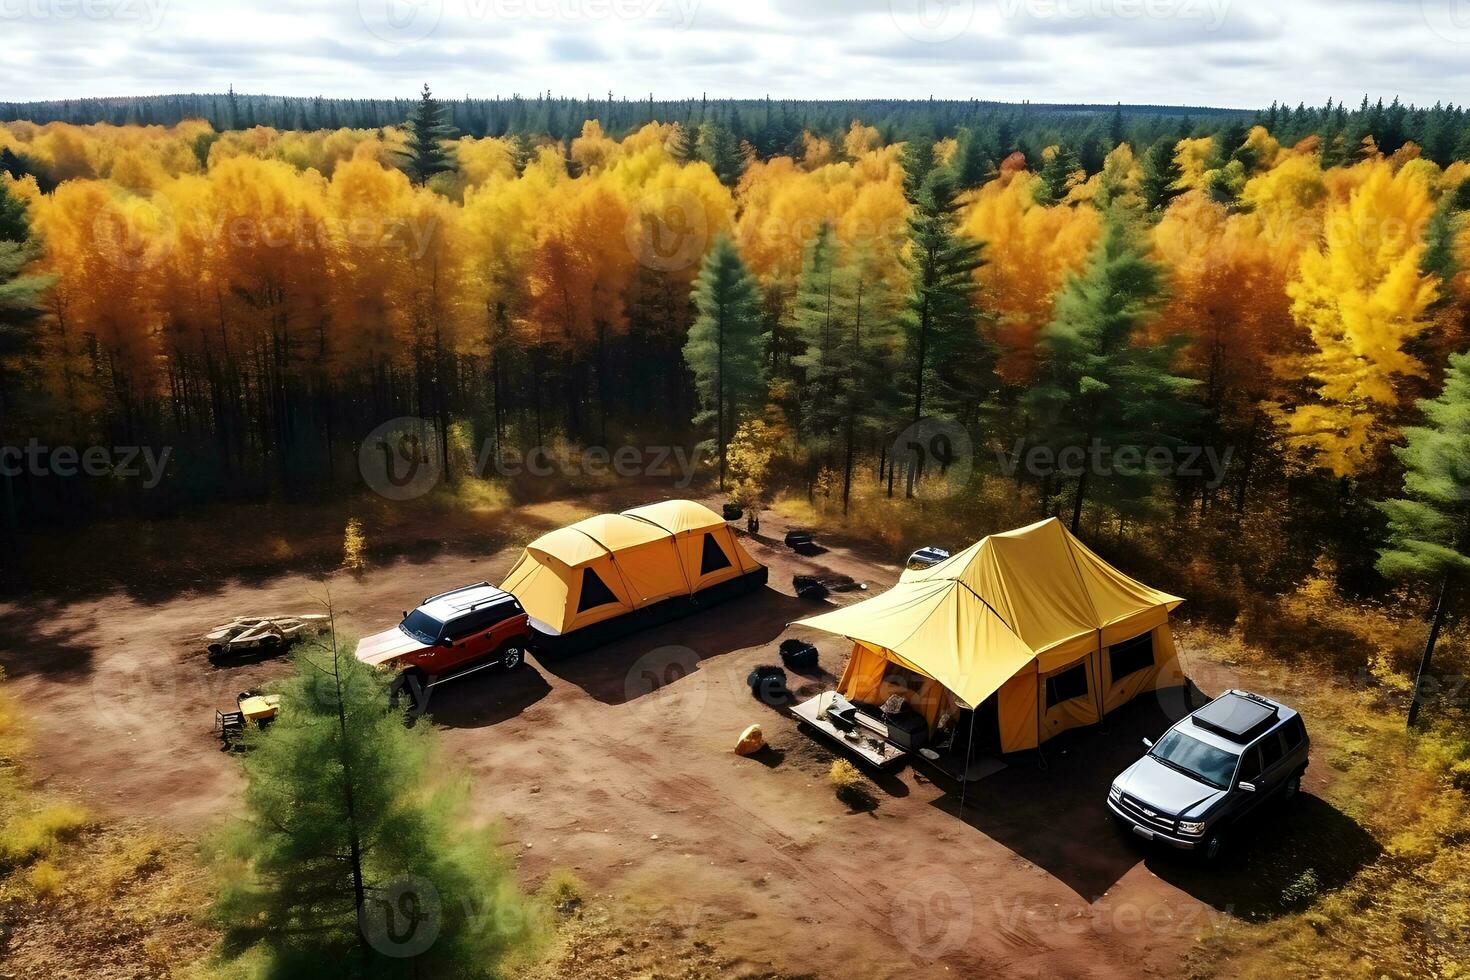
(1102, 708)
(1040, 700)
(965, 769)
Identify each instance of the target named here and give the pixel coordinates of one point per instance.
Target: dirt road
(618, 764)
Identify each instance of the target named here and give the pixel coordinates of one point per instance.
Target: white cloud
(1206, 52)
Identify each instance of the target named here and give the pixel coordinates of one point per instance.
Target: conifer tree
(1161, 176)
(719, 148)
(352, 857)
(1427, 528)
(949, 359)
(20, 313)
(1056, 174)
(425, 154)
(726, 346)
(1100, 386)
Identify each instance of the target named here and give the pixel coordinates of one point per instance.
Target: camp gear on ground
(733, 512)
(752, 740)
(799, 656)
(665, 558)
(268, 633)
(832, 715)
(260, 707)
(809, 587)
(768, 685)
(1032, 618)
(799, 539)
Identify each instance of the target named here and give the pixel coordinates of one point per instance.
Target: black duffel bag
(799, 655)
(768, 685)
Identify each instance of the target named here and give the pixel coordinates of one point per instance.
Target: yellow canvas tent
(610, 566)
(1032, 618)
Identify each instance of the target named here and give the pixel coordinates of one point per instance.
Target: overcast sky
(1239, 53)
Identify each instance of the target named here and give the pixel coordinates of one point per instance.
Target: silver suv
(1210, 770)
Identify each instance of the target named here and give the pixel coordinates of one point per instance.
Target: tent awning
(940, 629)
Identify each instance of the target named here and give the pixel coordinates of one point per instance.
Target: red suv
(449, 636)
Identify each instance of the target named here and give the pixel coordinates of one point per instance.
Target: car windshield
(1194, 758)
(422, 627)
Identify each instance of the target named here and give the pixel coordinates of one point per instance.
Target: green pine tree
(949, 359)
(1056, 173)
(21, 295)
(353, 856)
(425, 154)
(846, 328)
(918, 162)
(973, 163)
(719, 148)
(1427, 528)
(1099, 385)
(1161, 176)
(726, 346)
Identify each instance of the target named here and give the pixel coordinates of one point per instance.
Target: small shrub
(354, 546)
(45, 879)
(30, 836)
(563, 891)
(845, 776)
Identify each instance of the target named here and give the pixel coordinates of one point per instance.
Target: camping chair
(229, 726)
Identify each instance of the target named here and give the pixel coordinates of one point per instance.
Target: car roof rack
(1237, 716)
(451, 592)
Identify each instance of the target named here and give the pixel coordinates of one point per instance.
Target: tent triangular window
(594, 592)
(714, 558)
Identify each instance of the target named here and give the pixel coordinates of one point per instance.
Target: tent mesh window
(594, 592)
(1067, 685)
(1131, 656)
(714, 558)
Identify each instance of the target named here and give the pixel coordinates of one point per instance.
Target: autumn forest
(1266, 295)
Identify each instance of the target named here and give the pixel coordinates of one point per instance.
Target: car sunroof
(1237, 718)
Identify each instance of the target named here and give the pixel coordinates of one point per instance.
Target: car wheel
(1213, 845)
(512, 658)
(413, 684)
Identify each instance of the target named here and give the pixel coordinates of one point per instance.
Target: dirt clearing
(617, 764)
